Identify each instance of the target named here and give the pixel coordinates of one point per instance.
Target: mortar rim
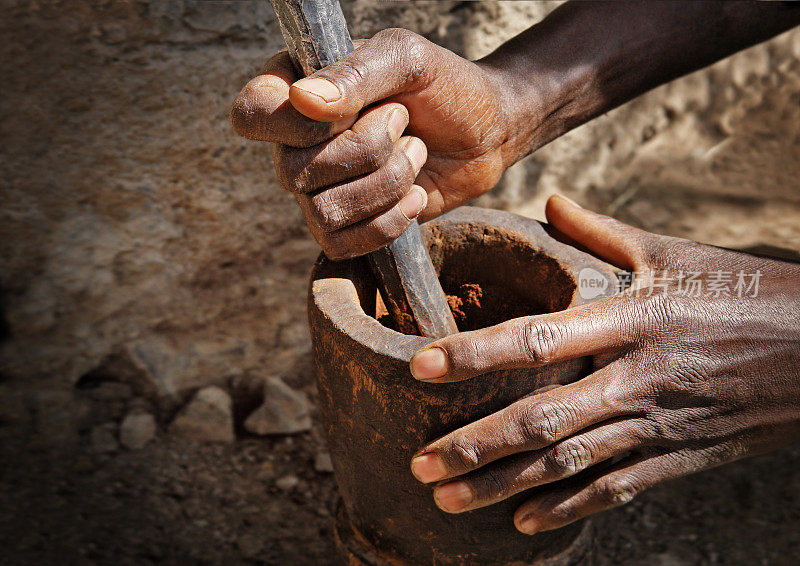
(337, 300)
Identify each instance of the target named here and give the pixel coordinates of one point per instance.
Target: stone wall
(142, 241)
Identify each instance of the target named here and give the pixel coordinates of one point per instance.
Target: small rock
(284, 411)
(287, 483)
(322, 463)
(207, 417)
(136, 430)
(103, 438)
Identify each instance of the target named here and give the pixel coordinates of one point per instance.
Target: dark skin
(681, 383)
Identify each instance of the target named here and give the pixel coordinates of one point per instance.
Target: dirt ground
(181, 503)
(147, 253)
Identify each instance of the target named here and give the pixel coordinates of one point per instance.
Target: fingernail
(428, 468)
(397, 123)
(453, 496)
(322, 88)
(416, 152)
(569, 200)
(429, 364)
(528, 525)
(413, 203)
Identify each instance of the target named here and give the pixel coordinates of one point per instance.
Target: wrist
(541, 98)
(536, 111)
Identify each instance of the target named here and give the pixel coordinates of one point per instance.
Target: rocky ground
(156, 397)
(93, 498)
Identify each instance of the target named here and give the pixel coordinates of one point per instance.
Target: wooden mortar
(376, 415)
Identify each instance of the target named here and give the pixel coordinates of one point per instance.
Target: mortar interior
(491, 275)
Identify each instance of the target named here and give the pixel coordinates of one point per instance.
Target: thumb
(531, 341)
(387, 64)
(615, 242)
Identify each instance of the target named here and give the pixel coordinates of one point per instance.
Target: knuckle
(296, 182)
(407, 40)
(538, 341)
(661, 430)
(352, 142)
(329, 214)
(570, 457)
(397, 36)
(659, 311)
(616, 491)
(541, 424)
(686, 377)
(651, 428)
(380, 147)
(409, 48)
(689, 369)
(492, 484)
(464, 455)
(370, 149)
(247, 112)
(616, 394)
(353, 70)
(360, 148)
(685, 373)
(395, 178)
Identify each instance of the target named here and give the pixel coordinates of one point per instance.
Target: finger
(564, 459)
(532, 423)
(262, 110)
(339, 206)
(362, 149)
(604, 325)
(389, 63)
(618, 243)
(370, 234)
(612, 487)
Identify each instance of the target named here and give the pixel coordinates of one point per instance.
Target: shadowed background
(149, 255)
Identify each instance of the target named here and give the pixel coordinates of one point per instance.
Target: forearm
(587, 58)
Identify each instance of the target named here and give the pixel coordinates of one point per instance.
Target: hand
(338, 140)
(681, 383)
